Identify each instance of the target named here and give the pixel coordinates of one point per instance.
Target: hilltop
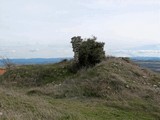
(116, 88)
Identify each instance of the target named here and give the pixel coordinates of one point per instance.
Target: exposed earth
(2, 71)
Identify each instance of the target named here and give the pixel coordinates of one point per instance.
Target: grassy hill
(115, 89)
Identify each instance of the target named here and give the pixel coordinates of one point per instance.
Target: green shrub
(73, 67)
(91, 52)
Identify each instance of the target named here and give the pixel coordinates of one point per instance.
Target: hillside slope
(112, 76)
(113, 89)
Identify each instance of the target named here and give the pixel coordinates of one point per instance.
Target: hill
(116, 88)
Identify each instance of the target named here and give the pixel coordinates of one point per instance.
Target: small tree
(91, 52)
(6, 62)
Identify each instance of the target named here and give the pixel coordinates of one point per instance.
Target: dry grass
(114, 89)
(17, 105)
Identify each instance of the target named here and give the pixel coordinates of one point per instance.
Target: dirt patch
(2, 71)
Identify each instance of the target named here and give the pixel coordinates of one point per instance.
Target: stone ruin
(76, 42)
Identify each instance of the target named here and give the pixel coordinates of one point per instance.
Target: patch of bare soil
(2, 71)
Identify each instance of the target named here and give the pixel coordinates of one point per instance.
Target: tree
(6, 62)
(91, 52)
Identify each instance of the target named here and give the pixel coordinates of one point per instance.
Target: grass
(36, 75)
(115, 89)
(17, 105)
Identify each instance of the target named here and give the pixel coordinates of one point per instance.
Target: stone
(145, 77)
(1, 113)
(127, 86)
(154, 85)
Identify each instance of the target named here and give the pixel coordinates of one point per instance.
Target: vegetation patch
(115, 88)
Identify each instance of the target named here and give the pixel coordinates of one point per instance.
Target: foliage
(73, 67)
(91, 52)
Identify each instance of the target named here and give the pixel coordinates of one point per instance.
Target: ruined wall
(76, 42)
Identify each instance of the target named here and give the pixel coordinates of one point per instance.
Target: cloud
(149, 51)
(116, 4)
(13, 51)
(121, 24)
(33, 50)
(133, 53)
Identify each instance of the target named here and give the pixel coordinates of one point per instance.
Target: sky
(44, 28)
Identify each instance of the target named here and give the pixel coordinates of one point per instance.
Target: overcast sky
(43, 28)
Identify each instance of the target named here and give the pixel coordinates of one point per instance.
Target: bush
(91, 52)
(73, 67)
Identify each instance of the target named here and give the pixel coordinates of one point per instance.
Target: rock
(154, 85)
(108, 88)
(127, 86)
(144, 77)
(1, 113)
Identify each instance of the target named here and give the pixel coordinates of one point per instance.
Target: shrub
(73, 67)
(91, 52)
(7, 63)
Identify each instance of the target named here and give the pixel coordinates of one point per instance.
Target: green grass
(36, 75)
(17, 105)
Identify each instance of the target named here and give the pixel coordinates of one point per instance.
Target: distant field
(151, 64)
(34, 61)
(145, 62)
